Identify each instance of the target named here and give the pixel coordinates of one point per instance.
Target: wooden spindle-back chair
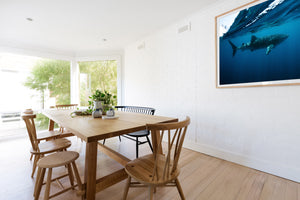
(161, 167)
(30, 126)
(44, 135)
(66, 107)
(38, 149)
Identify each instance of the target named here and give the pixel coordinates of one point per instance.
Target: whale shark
(267, 42)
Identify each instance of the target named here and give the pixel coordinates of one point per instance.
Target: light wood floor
(202, 177)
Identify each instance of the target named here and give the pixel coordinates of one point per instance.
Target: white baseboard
(278, 169)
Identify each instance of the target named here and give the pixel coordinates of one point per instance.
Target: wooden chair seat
(51, 146)
(141, 169)
(47, 135)
(50, 135)
(58, 159)
(64, 158)
(65, 133)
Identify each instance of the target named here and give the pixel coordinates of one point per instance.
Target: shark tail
(234, 48)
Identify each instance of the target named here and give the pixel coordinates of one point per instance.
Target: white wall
(175, 73)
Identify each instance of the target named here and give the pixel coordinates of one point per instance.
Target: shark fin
(269, 48)
(253, 38)
(234, 48)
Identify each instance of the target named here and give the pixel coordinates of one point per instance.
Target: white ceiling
(74, 26)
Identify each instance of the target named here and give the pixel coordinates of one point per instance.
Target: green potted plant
(102, 100)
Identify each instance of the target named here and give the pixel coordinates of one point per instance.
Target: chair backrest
(165, 163)
(29, 121)
(66, 106)
(136, 109)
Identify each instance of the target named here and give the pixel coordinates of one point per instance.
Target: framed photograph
(258, 44)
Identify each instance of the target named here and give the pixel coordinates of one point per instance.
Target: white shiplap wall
(175, 73)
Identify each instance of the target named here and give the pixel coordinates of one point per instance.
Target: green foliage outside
(42, 122)
(100, 75)
(55, 76)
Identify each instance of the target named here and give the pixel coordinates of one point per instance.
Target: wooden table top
(90, 129)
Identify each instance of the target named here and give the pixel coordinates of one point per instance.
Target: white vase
(98, 109)
(97, 105)
(97, 113)
(110, 112)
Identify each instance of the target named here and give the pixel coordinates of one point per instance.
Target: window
(97, 75)
(31, 82)
(38, 83)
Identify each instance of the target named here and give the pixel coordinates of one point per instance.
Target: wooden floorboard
(202, 177)
(291, 191)
(255, 187)
(298, 192)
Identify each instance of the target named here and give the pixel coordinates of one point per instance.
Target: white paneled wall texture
(175, 73)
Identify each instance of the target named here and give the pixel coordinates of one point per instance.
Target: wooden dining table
(91, 130)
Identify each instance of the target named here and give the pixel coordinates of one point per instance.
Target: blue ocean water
(254, 64)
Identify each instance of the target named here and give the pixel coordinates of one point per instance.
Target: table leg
(90, 169)
(51, 125)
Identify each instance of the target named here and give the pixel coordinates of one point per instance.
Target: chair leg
(149, 143)
(31, 157)
(47, 191)
(36, 159)
(70, 175)
(120, 138)
(37, 180)
(137, 147)
(39, 183)
(75, 170)
(179, 189)
(126, 188)
(103, 142)
(151, 192)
